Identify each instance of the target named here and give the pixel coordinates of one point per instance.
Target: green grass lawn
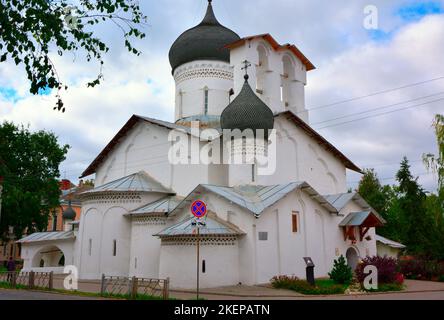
(322, 286)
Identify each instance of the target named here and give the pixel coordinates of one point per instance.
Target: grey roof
(356, 219)
(257, 198)
(134, 120)
(389, 242)
(247, 111)
(339, 201)
(206, 41)
(48, 236)
(164, 206)
(213, 226)
(137, 182)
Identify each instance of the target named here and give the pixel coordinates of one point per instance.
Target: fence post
(51, 280)
(14, 279)
(31, 279)
(166, 289)
(102, 285)
(134, 288)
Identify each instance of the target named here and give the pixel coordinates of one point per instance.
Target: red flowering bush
(420, 269)
(387, 269)
(283, 282)
(399, 278)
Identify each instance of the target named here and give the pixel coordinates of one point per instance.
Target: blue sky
(417, 10)
(351, 61)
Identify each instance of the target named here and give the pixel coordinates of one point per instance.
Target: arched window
(262, 68)
(287, 78)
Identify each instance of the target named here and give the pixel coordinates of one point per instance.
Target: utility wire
(379, 114)
(378, 108)
(374, 94)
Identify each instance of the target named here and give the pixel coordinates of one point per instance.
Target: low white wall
(179, 264)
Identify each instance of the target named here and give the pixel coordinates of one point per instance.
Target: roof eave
(276, 46)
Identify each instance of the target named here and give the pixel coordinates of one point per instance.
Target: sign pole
(198, 260)
(199, 210)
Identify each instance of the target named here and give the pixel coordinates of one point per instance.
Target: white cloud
(329, 33)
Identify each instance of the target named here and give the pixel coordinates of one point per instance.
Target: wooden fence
(30, 280)
(133, 286)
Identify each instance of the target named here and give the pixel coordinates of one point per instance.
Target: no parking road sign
(199, 209)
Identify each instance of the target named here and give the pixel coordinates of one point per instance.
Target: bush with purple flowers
(387, 269)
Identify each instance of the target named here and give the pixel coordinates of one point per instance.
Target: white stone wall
(191, 81)
(270, 71)
(300, 158)
(145, 148)
(179, 263)
(145, 247)
(101, 223)
(33, 252)
(385, 250)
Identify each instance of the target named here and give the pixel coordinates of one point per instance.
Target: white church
(137, 220)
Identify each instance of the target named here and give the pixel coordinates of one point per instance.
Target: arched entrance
(352, 258)
(48, 257)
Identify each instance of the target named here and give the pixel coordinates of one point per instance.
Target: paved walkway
(415, 290)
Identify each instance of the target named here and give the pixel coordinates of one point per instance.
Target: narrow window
(135, 263)
(90, 247)
(263, 236)
(294, 222)
(54, 222)
(206, 101)
(19, 249)
(114, 248)
(204, 269)
(180, 104)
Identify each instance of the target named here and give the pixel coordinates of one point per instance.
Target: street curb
(302, 295)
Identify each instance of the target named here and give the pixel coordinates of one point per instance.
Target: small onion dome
(206, 41)
(247, 111)
(69, 213)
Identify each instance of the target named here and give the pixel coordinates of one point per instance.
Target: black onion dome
(69, 213)
(247, 111)
(206, 41)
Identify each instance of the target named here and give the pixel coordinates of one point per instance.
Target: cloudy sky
(398, 68)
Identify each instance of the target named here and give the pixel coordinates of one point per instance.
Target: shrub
(399, 278)
(341, 272)
(441, 278)
(420, 269)
(387, 269)
(283, 282)
(293, 283)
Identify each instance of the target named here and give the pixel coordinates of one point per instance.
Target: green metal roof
(356, 219)
(137, 182)
(256, 199)
(48, 236)
(164, 205)
(213, 226)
